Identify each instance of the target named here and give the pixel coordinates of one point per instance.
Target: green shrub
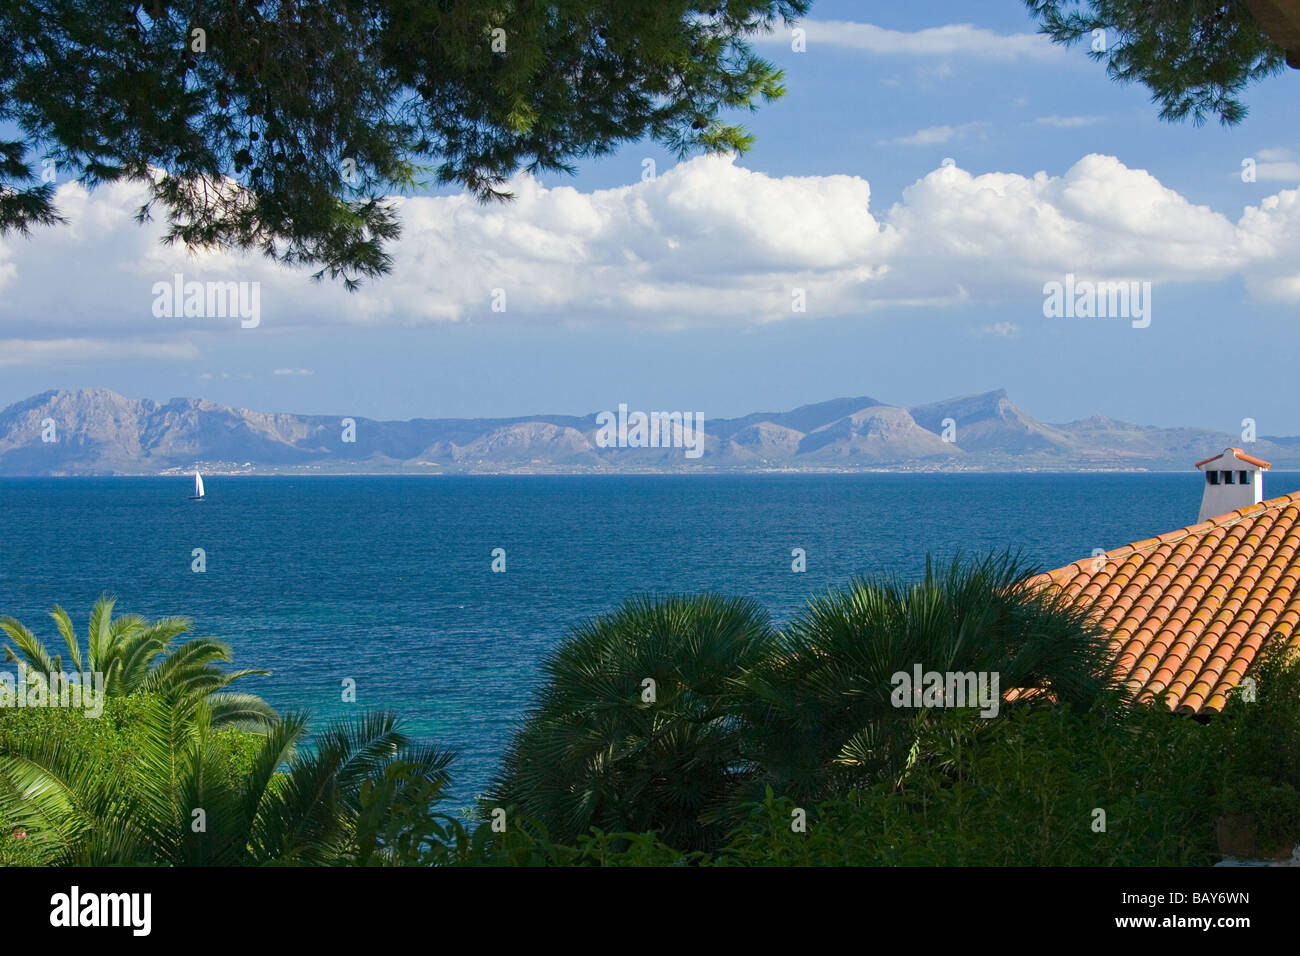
(1025, 793)
(1258, 752)
(822, 717)
(737, 708)
(636, 728)
(114, 743)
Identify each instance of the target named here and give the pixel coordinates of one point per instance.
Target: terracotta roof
(1236, 453)
(1189, 610)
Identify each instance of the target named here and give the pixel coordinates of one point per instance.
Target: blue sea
(388, 580)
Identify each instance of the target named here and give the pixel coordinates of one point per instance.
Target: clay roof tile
(1189, 610)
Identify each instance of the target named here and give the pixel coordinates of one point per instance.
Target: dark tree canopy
(1195, 56)
(280, 125)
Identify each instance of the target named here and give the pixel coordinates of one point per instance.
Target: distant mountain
(876, 435)
(991, 423)
(98, 432)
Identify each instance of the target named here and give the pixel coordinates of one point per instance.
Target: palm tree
(635, 729)
(134, 655)
(175, 807)
(822, 713)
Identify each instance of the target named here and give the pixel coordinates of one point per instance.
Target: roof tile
(1189, 610)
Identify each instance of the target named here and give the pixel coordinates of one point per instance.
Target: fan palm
(634, 730)
(175, 808)
(822, 715)
(134, 655)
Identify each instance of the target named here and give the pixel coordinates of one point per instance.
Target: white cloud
(242, 376)
(991, 233)
(79, 350)
(1277, 166)
(954, 39)
(707, 242)
(1069, 122)
(1005, 330)
(293, 371)
(935, 135)
(940, 71)
(1276, 155)
(1278, 172)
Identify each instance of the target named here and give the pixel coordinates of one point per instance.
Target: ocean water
(388, 581)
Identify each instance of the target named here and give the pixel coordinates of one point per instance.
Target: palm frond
(69, 635)
(33, 652)
(243, 711)
(99, 632)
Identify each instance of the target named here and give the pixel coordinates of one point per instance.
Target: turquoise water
(387, 580)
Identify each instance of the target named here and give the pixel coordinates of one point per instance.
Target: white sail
(198, 485)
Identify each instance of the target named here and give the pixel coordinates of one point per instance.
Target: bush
(824, 718)
(636, 729)
(1026, 792)
(1258, 753)
(111, 743)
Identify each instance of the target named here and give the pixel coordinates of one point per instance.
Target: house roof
(1188, 611)
(1238, 454)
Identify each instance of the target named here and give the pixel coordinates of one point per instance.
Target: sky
(931, 167)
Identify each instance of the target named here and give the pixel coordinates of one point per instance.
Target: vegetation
(688, 731)
(165, 787)
(1258, 755)
(178, 771)
(821, 712)
(131, 655)
(1195, 56)
(738, 707)
(636, 729)
(1029, 791)
(57, 767)
(1051, 784)
(280, 126)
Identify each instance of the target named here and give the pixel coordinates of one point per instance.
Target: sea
(386, 584)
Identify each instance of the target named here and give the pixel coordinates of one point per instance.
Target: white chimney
(1233, 480)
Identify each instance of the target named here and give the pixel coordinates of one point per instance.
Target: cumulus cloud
(707, 242)
(995, 232)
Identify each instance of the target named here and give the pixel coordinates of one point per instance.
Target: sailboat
(198, 488)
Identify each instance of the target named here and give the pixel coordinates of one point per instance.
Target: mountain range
(98, 432)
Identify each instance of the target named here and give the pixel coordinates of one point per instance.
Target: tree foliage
(636, 728)
(823, 714)
(1195, 56)
(808, 710)
(181, 792)
(280, 125)
(704, 769)
(133, 655)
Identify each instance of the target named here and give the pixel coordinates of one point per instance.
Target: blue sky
(922, 283)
